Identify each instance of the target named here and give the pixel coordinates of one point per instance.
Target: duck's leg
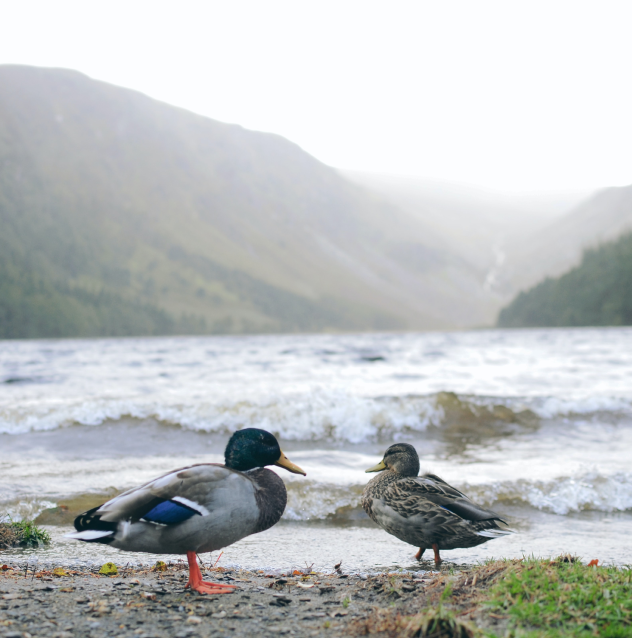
(438, 560)
(196, 583)
(420, 553)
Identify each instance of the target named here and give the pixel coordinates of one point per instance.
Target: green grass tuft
(22, 534)
(550, 599)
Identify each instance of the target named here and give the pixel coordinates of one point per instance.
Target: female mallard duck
(197, 509)
(424, 510)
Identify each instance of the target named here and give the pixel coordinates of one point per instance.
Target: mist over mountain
(112, 200)
(487, 228)
(559, 246)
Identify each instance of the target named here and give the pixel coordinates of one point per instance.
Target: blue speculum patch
(169, 513)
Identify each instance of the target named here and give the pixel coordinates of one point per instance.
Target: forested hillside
(33, 306)
(123, 215)
(598, 292)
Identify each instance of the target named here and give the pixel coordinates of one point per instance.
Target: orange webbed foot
(218, 585)
(204, 587)
(213, 588)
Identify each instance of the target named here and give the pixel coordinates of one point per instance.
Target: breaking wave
(565, 495)
(320, 415)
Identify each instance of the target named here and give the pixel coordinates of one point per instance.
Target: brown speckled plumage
(424, 510)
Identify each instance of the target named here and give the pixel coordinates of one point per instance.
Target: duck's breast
(271, 497)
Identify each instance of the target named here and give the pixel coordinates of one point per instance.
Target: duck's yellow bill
(288, 465)
(377, 468)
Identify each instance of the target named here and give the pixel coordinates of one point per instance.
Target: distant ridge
(109, 199)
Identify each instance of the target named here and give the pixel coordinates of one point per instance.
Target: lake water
(536, 424)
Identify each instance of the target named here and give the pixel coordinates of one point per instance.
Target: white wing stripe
(200, 509)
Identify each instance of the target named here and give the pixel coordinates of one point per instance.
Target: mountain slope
(598, 292)
(104, 190)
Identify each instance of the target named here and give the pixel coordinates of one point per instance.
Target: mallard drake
(197, 509)
(424, 510)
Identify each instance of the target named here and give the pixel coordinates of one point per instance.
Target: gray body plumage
(229, 506)
(425, 510)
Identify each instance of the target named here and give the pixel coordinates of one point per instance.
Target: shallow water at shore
(535, 424)
(365, 548)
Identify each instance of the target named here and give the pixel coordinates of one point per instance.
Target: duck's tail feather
(91, 529)
(91, 536)
(495, 533)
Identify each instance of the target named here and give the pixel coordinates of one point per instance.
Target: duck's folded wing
(467, 510)
(411, 497)
(172, 498)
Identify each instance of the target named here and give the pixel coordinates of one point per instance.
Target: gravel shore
(145, 602)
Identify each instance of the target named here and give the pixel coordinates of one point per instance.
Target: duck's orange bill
(288, 465)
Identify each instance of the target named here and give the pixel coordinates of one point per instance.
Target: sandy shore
(146, 603)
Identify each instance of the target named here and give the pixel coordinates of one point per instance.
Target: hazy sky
(511, 95)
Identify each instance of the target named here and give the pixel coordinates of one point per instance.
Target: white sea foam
(318, 415)
(563, 495)
(555, 407)
(24, 509)
(311, 501)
